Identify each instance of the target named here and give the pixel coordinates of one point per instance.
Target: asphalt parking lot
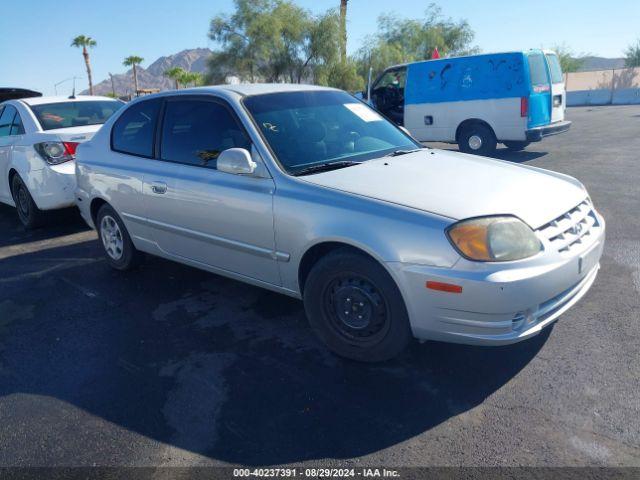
(168, 365)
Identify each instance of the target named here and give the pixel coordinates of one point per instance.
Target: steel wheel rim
(475, 142)
(111, 236)
(357, 311)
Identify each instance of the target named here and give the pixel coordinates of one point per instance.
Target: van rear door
(540, 97)
(558, 94)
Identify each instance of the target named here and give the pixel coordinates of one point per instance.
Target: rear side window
(17, 128)
(75, 114)
(538, 70)
(6, 120)
(133, 132)
(555, 68)
(195, 132)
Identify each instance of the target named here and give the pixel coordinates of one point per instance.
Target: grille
(572, 229)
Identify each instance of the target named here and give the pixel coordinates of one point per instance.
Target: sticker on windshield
(363, 112)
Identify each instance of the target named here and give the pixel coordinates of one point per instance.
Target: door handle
(159, 187)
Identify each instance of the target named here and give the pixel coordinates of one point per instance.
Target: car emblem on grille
(576, 229)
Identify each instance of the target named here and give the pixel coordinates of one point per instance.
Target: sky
(35, 35)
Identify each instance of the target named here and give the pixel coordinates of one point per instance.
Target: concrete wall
(603, 87)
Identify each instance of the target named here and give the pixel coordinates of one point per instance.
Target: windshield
(318, 127)
(555, 68)
(75, 114)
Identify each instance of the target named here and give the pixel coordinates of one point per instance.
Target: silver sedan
(309, 192)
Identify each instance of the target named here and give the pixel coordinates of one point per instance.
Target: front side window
(195, 132)
(318, 127)
(538, 71)
(52, 116)
(133, 132)
(555, 68)
(6, 120)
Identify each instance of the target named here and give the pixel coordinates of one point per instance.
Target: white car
(38, 141)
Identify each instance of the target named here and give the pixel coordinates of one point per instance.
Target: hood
(459, 186)
(75, 134)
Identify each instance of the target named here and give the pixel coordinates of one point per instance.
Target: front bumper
(498, 305)
(536, 134)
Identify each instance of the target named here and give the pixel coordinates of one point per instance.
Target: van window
(538, 70)
(6, 120)
(555, 68)
(133, 132)
(195, 132)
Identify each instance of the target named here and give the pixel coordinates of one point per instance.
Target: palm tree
(343, 30)
(85, 42)
(132, 61)
(176, 74)
(193, 78)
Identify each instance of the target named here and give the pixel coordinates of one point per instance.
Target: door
(198, 213)
(7, 114)
(540, 96)
(387, 94)
(558, 94)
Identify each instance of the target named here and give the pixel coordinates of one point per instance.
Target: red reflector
(70, 147)
(524, 106)
(444, 287)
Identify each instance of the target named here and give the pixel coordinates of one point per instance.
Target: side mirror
(237, 161)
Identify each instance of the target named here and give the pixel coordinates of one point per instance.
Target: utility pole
(113, 87)
(343, 30)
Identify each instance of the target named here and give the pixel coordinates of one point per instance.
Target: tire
(516, 146)
(376, 326)
(28, 212)
(114, 238)
(477, 139)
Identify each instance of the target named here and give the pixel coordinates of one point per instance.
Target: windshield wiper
(395, 153)
(325, 167)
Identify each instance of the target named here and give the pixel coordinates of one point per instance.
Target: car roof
(246, 89)
(61, 99)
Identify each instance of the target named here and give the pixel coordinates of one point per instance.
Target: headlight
(494, 239)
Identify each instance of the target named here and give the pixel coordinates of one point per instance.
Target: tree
(568, 60)
(132, 61)
(176, 74)
(84, 42)
(632, 54)
(408, 40)
(192, 78)
(273, 41)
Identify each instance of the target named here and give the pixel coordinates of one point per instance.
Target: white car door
(7, 115)
(198, 213)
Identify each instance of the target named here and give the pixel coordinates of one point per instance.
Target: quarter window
(195, 132)
(133, 132)
(17, 128)
(6, 120)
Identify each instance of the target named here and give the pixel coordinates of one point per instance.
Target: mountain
(194, 60)
(600, 63)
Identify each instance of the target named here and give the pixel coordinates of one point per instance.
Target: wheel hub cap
(111, 237)
(475, 142)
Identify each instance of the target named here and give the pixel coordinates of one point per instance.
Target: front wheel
(28, 212)
(477, 139)
(115, 240)
(516, 146)
(355, 307)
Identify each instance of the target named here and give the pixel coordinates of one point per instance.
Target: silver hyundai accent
(309, 192)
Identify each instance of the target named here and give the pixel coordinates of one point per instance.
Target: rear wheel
(28, 212)
(478, 139)
(355, 307)
(516, 146)
(115, 240)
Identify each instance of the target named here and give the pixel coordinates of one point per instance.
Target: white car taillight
(55, 153)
